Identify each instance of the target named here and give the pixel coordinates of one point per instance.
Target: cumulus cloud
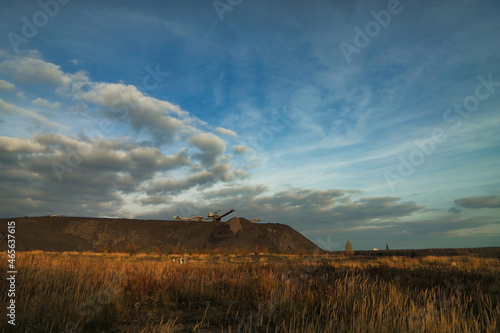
(211, 148)
(6, 86)
(208, 142)
(490, 201)
(161, 119)
(225, 131)
(112, 156)
(164, 121)
(45, 103)
(148, 158)
(32, 70)
(20, 145)
(102, 169)
(52, 172)
(218, 173)
(241, 149)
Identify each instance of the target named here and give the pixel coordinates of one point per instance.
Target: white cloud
(121, 163)
(6, 86)
(31, 70)
(225, 131)
(19, 145)
(205, 178)
(208, 142)
(211, 147)
(241, 149)
(111, 94)
(45, 103)
(161, 119)
(44, 171)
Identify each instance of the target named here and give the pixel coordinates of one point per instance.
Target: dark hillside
(85, 233)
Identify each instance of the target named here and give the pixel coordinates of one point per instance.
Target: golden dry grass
(86, 292)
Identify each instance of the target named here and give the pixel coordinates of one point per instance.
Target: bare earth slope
(73, 233)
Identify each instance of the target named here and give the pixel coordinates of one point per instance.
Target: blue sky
(370, 121)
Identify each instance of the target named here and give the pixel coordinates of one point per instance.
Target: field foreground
(81, 292)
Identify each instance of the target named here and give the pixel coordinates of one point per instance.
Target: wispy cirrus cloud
(46, 103)
(38, 120)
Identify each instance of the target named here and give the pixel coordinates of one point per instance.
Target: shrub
(131, 248)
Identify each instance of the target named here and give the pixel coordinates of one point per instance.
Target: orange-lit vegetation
(88, 292)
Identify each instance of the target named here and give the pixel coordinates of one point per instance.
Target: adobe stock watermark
(30, 27)
(154, 78)
(120, 110)
(221, 7)
(363, 37)
(326, 243)
(427, 147)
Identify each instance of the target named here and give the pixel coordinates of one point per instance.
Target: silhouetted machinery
(212, 216)
(192, 218)
(215, 216)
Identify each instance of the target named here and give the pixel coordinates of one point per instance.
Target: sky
(370, 121)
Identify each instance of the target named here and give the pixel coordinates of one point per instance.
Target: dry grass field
(90, 292)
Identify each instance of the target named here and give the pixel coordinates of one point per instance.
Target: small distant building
(375, 249)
